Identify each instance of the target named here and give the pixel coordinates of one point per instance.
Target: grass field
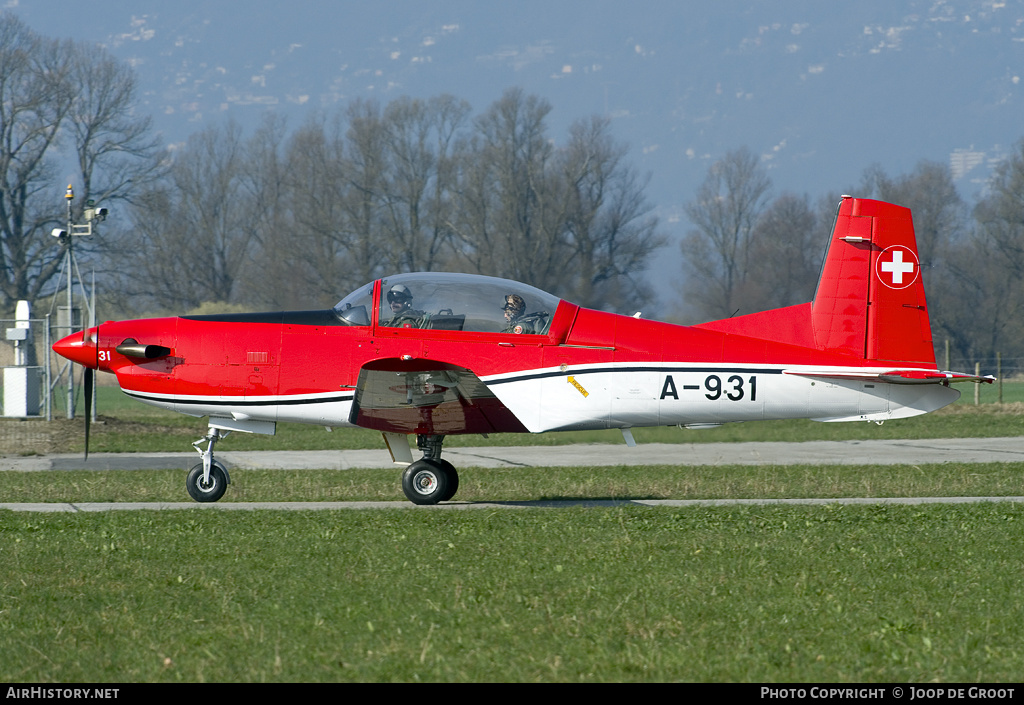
(515, 484)
(746, 594)
(811, 594)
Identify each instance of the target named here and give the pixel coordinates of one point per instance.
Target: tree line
(296, 218)
(284, 219)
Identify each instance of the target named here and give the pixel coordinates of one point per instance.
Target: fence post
(999, 374)
(977, 387)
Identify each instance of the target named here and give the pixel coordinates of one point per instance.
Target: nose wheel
(203, 487)
(207, 481)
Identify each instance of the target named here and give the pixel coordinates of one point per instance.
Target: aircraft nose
(79, 348)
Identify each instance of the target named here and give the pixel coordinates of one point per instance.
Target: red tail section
(870, 301)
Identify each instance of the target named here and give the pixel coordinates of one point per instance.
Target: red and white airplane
(435, 354)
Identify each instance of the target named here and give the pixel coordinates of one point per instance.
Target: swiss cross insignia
(897, 267)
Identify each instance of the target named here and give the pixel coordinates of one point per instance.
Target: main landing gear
(207, 481)
(430, 480)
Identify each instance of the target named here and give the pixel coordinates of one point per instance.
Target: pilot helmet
(515, 304)
(399, 292)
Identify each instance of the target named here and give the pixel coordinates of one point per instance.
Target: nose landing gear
(208, 480)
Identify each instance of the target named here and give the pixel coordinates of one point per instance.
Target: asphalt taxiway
(874, 452)
(881, 452)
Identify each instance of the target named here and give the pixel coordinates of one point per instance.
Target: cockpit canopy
(446, 301)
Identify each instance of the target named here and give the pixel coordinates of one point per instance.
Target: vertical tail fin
(870, 301)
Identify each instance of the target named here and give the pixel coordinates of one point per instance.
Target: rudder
(870, 301)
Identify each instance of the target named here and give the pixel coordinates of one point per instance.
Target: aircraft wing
(895, 376)
(395, 395)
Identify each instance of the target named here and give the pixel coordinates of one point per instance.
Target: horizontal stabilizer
(963, 377)
(895, 376)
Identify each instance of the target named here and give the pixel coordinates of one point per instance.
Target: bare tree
(717, 252)
(411, 186)
(513, 210)
(157, 265)
(788, 243)
(59, 99)
(198, 229)
(608, 223)
(34, 100)
(327, 253)
(418, 181)
(981, 301)
(980, 306)
(264, 181)
(1001, 213)
(116, 151)
(362, 172)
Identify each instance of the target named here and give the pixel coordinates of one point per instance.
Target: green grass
(845, 594)
(529, 484)
(786, 594)
(1012, 392)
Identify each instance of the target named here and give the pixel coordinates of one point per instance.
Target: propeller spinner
(82, 348)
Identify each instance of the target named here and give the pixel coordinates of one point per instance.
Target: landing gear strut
(207, 481)
(430, 480)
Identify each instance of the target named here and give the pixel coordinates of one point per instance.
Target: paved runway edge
(880, 452)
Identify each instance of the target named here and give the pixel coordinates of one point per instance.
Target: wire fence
(35, 380)
(1004, 369)
(998, 365)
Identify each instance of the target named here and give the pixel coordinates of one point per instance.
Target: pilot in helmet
(514, 309)
(403, 315)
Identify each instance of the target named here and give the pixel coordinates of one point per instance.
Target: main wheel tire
(211, 491)
(429, 481)
(453, 480)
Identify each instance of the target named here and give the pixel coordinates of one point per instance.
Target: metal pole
(69, 197)
(49, 379)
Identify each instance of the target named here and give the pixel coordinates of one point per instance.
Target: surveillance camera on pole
(94, 214)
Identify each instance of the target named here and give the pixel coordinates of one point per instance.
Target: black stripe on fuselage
(639, 368)
(238, 402)
(325, 317)
(507, 380)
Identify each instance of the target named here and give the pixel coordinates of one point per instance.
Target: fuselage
(589, 370)
(433, 354)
